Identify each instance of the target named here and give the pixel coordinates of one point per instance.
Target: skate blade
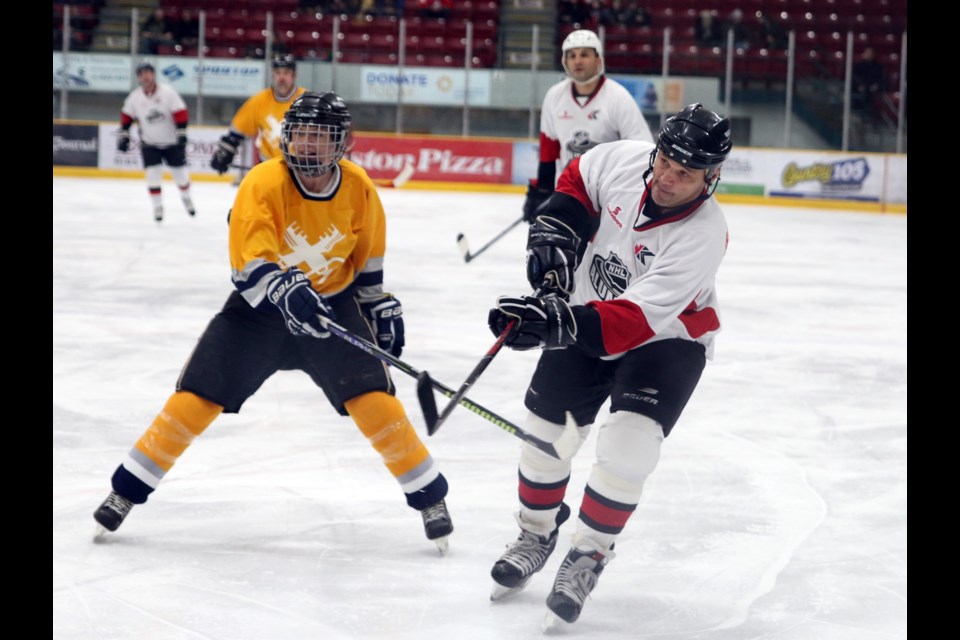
(552, 622)
(100, 533)
(500, 592)
(443, 544)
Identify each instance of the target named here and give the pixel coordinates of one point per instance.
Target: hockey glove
(545, 322)
(536, 196)
(386, 317)
(300, 305)
(182, 137)
(551, 256)
(226, 149)
(123, 141)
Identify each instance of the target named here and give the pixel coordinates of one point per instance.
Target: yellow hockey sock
(382, 419)
(184, 417)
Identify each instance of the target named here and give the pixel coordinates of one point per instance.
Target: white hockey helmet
(581, 38)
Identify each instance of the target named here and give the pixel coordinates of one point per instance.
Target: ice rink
(778, 510)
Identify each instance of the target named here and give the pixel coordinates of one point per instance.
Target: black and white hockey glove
(300, 305)
(123, 140)
(226, 149)
(542, 323)
(536, 196)
(386, 318)
(551, 256)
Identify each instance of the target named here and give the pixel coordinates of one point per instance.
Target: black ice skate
(576, 578)
(111, 513)
(437, 524)
(523, 558)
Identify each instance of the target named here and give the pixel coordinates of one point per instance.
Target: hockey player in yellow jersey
(307, 240)
(260, 117)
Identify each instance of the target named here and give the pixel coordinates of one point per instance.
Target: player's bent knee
(628, 446)
(548, 432)
(154, 174)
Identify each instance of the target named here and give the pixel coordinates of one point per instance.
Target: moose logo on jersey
(609, 276)
(303, 251)
(272, 131)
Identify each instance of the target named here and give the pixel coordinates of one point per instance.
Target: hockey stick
(428, 404)
(465, 249)
(402, 178)
(481, 366)
(462, 391)
(564, 447)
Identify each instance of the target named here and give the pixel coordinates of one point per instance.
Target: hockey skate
(576, 578)
(523, 558)
(437, 524)
(110, 514)
(158, 214)
(188, 205)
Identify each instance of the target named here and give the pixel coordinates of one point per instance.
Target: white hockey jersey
(157, 114)
(649, 279)
(568, 128)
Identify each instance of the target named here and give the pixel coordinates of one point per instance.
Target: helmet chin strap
(589, 80)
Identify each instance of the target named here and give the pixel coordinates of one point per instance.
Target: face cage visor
(312, 149)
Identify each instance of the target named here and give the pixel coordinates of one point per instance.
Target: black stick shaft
(474, 375)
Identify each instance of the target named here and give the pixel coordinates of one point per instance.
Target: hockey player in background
(307, 240)
(579, 112)
(162, 117)
(260, 116)
(626, 253)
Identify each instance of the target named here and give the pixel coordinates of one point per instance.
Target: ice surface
(778, 510)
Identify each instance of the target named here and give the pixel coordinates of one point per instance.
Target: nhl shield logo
(580, 143)
(609, 276)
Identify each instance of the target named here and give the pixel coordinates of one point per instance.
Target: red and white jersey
(649, 279)
(570, 126)
(156, 114)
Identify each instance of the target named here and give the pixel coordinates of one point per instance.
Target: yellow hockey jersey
(260, 116)
(336, 240)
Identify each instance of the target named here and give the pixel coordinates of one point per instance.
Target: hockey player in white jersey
(162, 117)
(580, 112)
(625, 254)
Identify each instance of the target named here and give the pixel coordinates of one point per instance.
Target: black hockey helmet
(284, 61)
(145, 66)
(315, 133)
(696, 137)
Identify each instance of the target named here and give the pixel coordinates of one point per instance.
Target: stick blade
(464, 247)
(403, 177)
(569, 441)
(428, 403)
